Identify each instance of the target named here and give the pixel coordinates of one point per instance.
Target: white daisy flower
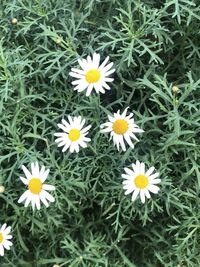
(121, 127)
(74, 134)
(36, 189)
(92, 75)
(140, 182)
(5, 238)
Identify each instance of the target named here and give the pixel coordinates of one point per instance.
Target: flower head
(121, 127)
(73, 135)
(36, 190)
(5, 238)
(92, 75)
(139, 182)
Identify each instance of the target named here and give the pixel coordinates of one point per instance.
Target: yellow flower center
(1, 238)
(120, 126)
(35, 186)
(141, 181)
(74, 134)
(92, 76)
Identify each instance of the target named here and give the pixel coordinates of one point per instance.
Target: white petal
(45, 175)
(61, 126)
(128, 140)
(153, 188)
(72, 147)
(78, 82)
(75, 75)
(23, 196)
(76, 147)
(108, 79)
(48, 187)
(103, 64)
(96, 60)
(37, 202)
(81, 87)
(66, 147)
(35, 169)
(7, 244)
(1, 250)
(107, 68)
(26, 172)
(155, 181)
(107, 73)
(126, 176)
(123, 115)
(28, 200)
(24, 180)
(86, 129)
(42, 170)
(142, 168)
(106, 130)
(138, 165)
(8, 237)
(153, 176)
(48, 196)
(77, 71)
(83, 144)
(82, 63)
(7, 230)
(44, 201)
(150, 171)
(3, 227)
(146, 192)
(70, 119)
(89, 60)
(105, 85)
(133, 136)
(121, 140)
(128, 191)
(62, 143)
(82, 123)
(89, 89)
(33, 203)
(135, 194)
(142, 196)
(60, 134)
(129, 172)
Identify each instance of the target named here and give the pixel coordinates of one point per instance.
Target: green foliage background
(154, 45)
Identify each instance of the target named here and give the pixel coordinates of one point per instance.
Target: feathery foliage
(154, 45)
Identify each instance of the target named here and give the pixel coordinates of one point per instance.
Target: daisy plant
(74, 134)
(5, 237)
(121, 127)
(92, 75)
(36, 190)
(140, 182)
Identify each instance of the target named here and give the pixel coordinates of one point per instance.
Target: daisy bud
(14, 21)
(58, 41)
(2, 189)
(175, 89)
(56, 265)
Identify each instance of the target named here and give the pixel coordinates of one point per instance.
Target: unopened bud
(175, 89)
(14, 21)
(2, 189)
(58, 40)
